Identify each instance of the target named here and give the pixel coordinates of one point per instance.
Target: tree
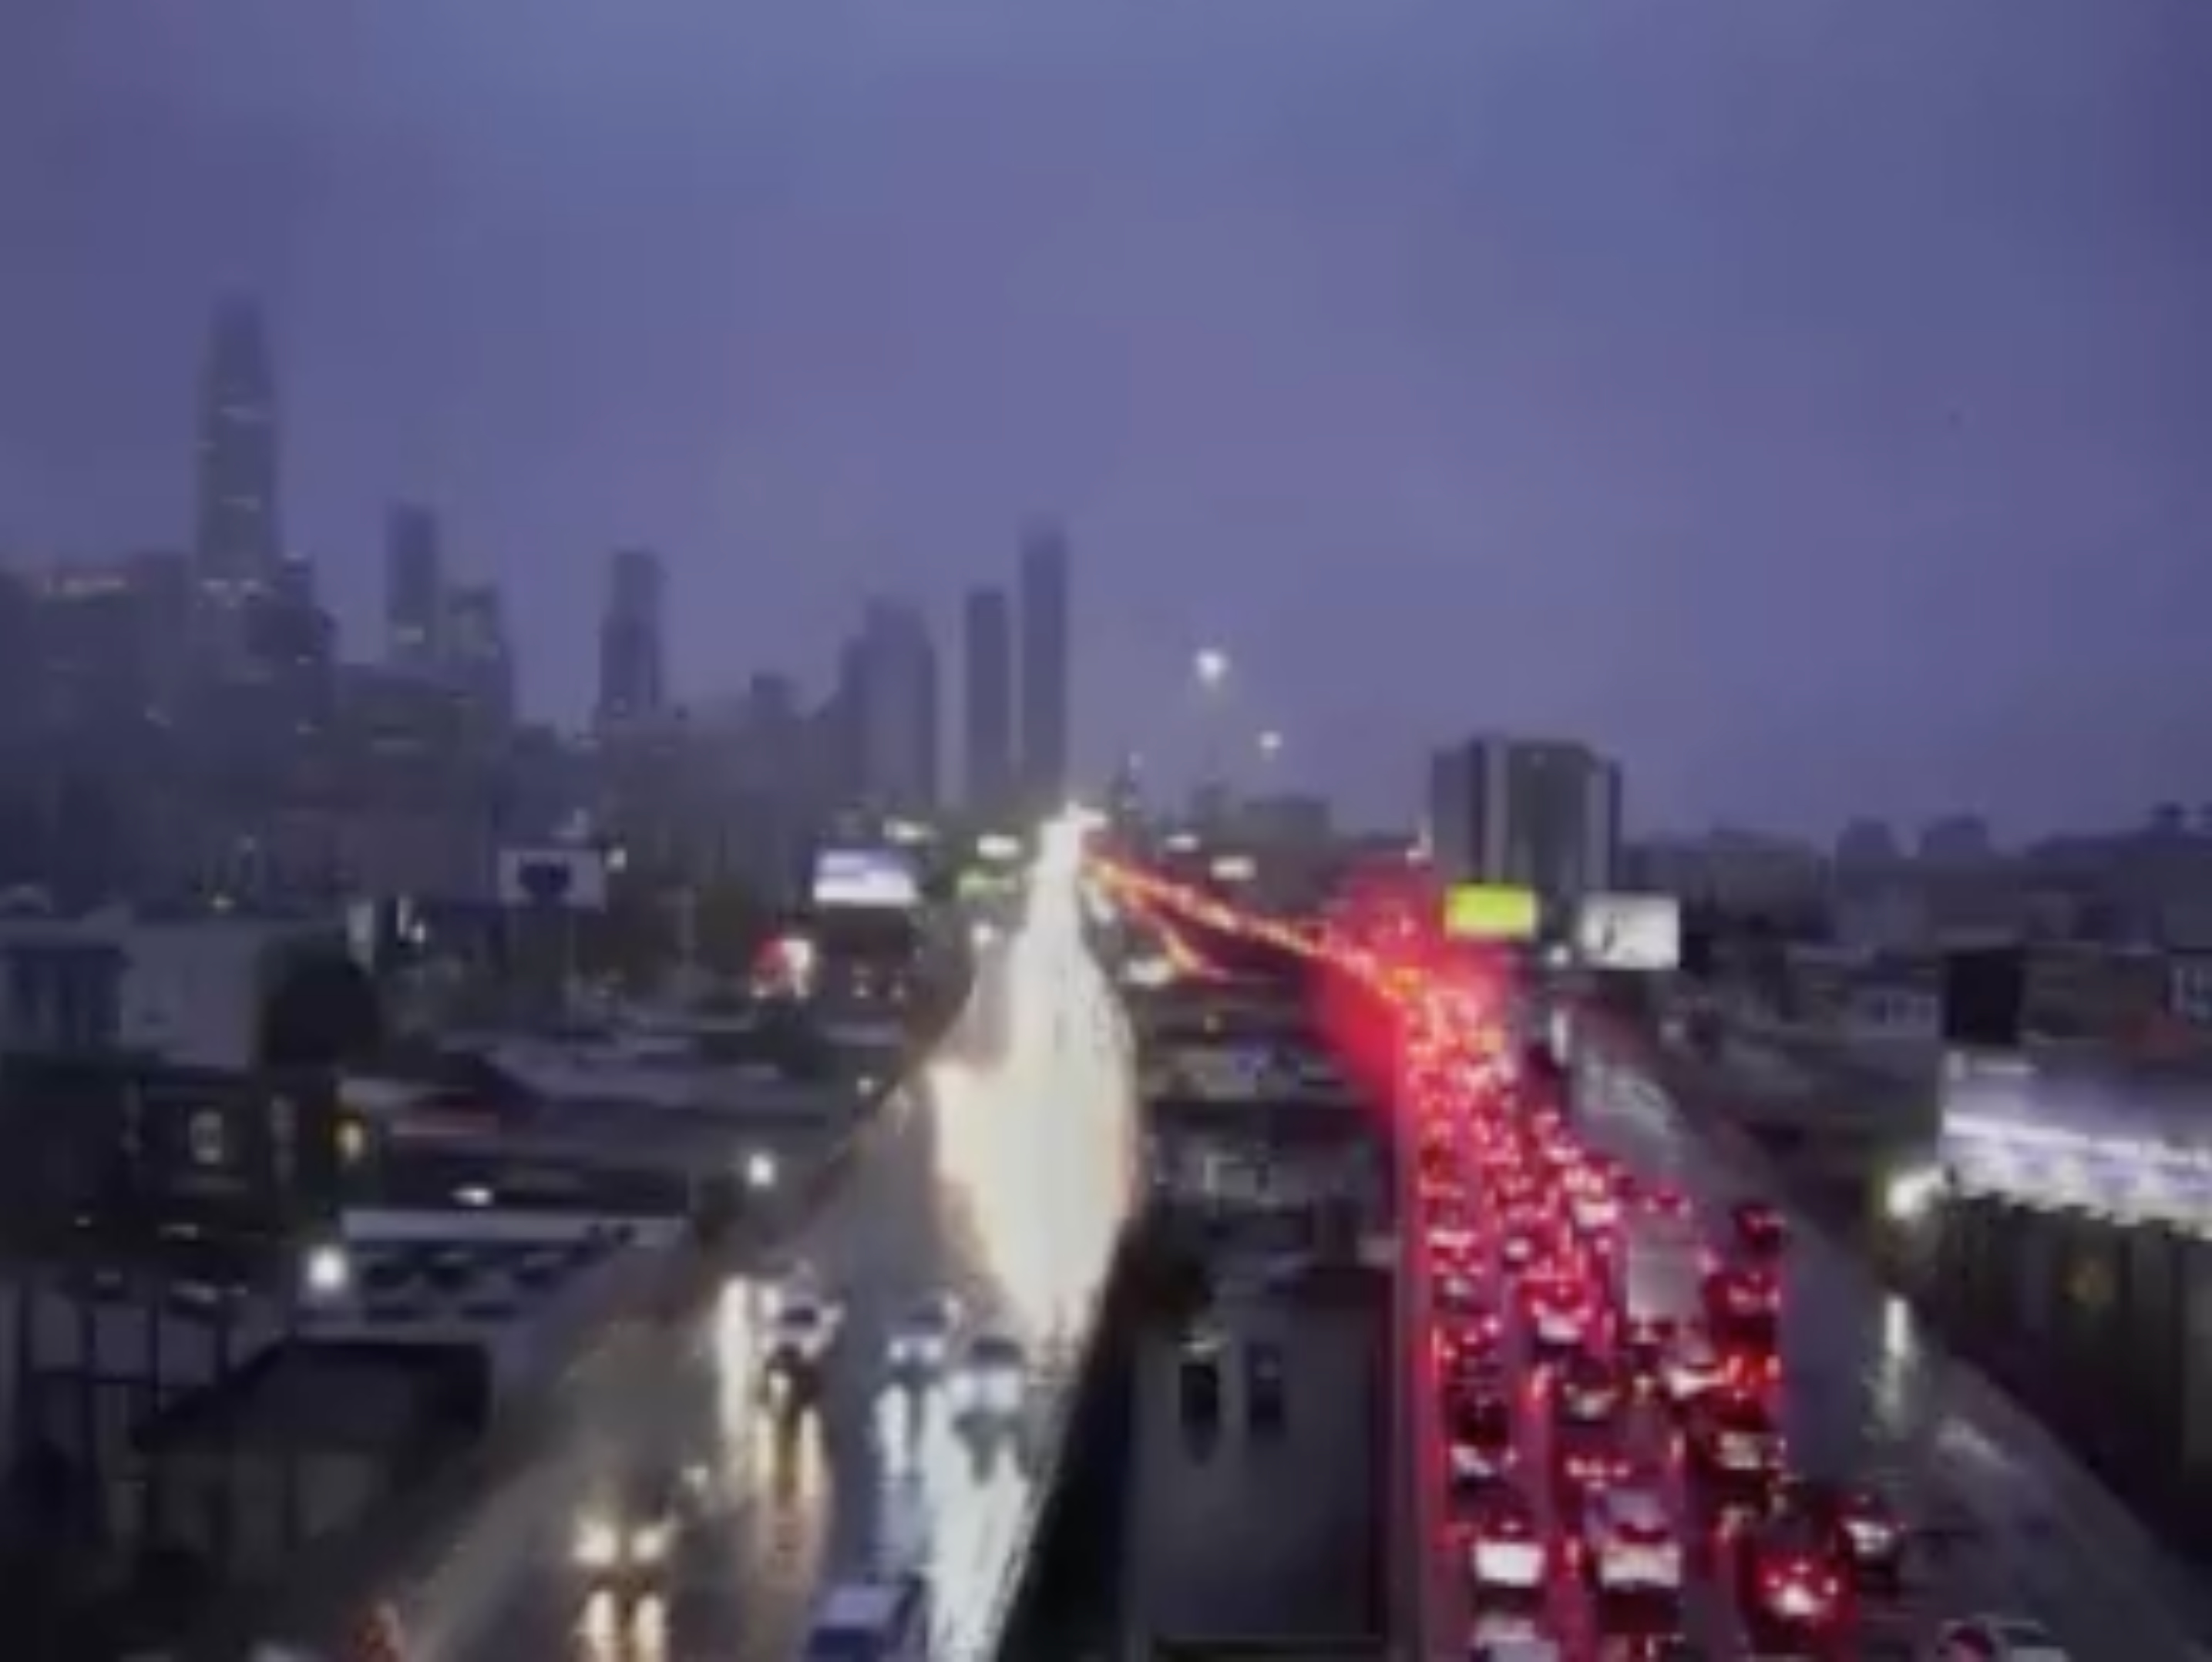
(323, 1012)
(634, 938)
(729, 924)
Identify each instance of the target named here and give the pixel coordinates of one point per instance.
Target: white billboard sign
(1629, 931)
(554, 878)
(865, 877)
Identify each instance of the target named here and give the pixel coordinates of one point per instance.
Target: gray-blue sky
(1812, 401)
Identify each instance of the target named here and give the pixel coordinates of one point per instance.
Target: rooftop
(352, 1396)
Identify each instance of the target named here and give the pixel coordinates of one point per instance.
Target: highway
(1001, 1175)
(1251, 1532)
(1868, 1393)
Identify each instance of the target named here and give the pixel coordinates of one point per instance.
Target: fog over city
(1807, 404)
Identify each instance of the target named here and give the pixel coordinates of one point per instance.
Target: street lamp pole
(1210, 667)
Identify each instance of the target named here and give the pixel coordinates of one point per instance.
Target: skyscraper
(633, 684)
(414, 609)
(1044, 602)
(987, 656)
(1538, 814)
(474, 653)
(892, 674)
(236, 549)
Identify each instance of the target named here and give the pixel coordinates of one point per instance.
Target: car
(881, 1619)
(1560, 1317)
(1451, 1228)
(1464, 1340)
(1521, 1246)
(801, 1335)
(1266, 1383)
(1593, 1209)
(1862, 1528)
(1996, 1639)
(1515, 1646)
(1691, 1367)
(1198, 1379)
(1743, 1304)
(990, 1380)
(1630, 1541)
(1478, 1429)
(1733, 1438)
(1789, 1580)
(1458, 1295)
(1505, 1546)
(1760, 1228)
(1587, 1390)
(920, 1341)
(624, 1542)
(1585, 1456)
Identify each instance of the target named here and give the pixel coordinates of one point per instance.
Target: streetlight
(1212, 666)
(1271, 745)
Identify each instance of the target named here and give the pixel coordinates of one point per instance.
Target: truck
(1659, 1281)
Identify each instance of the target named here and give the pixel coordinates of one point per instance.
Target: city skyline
(1467, 372)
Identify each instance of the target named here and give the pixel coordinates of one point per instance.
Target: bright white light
(1211, 665)
(328, 1272)
(472, 1195)
(1271, 743)
(981, 936)
(1909, 1194)
(598, 1545)
(760, 1171)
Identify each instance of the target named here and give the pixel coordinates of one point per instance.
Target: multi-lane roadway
(2012, 1522)
(2002, 1520)
(999, 1176)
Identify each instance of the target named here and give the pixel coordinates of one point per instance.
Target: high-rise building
(633, 666)
(1043, 603)
(987, 657)
(237, 550)
(474, 652)
(415, 607)
(892, 676)
(1534, 813)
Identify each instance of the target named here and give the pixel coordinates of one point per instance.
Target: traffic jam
(1607, 1368)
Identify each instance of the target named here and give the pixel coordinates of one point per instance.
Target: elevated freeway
(1001, 1174)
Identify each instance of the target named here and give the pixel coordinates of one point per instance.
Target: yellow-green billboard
(1490, 912)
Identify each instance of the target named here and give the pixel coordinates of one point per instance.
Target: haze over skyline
(1808, 404)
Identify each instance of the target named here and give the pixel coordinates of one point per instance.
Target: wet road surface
(2011, 1522)
(1000, 1177)
(1252, 1531)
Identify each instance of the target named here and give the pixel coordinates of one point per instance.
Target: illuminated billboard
(1491, 912)
(2061, 1136)
(1629, 931)
(871, 877)
(555, 879)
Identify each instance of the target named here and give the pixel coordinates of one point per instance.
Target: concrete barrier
(1089, 1449)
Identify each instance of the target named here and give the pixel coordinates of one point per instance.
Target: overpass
(1003, 1174)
